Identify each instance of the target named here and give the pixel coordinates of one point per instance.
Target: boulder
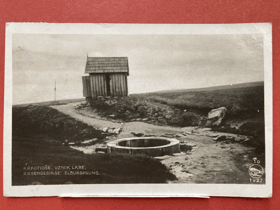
(101, 149)
(215, 116)
(220, 138)
(105, 129)
(137, 134)
(117, 130)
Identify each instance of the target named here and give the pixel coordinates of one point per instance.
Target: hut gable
(107, 65)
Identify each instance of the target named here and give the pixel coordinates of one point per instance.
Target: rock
(179, 154)
(162, 157)
(168, 116)
(105, 129)
(90, 141)
(179, 135)
(137, 134)
(118, 130)
(187, 133)
(215, 116)
(220, 138)
(111, 130)
(101, 149)
(145, 119)
(112, 115)
(214, 135)
(230, 138)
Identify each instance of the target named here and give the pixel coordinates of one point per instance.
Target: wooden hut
(107, 77)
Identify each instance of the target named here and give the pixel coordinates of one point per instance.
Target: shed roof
(107, 65)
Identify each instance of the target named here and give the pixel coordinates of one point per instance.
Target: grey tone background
(156, 62)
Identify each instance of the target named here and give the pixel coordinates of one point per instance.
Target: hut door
(108, 85)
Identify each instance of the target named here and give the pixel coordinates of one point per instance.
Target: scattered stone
(215, 116)
(214, 135)
(145, 119)
(112, 115)
(137, 134)
(117, 130)
(179, 135)
(220, 138)
(162, 157)
(105, 129)
(90, 141)
(101, 149)
(150, 135)
(65, 143)
(111, 130)
(179, 154)
(230, 138)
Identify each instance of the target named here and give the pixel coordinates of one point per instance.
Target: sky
(156, 62)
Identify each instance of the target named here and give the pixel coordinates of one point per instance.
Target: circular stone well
(151, 146)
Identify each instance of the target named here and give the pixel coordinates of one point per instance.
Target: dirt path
(97, 122)
(208, 161)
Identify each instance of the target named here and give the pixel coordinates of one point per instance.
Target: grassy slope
(246, 99)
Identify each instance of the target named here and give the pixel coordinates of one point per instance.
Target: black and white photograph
(138, 110)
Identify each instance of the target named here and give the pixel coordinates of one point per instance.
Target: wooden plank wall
(86, 86)
(95, 85)
(118, 84)
(98, 85)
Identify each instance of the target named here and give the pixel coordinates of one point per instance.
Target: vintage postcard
(138, 110)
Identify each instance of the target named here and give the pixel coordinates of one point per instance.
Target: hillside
(221, 87)
(238, 99)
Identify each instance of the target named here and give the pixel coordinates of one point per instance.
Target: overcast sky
(156, 62)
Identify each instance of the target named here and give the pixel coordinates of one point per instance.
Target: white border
(138, 190)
